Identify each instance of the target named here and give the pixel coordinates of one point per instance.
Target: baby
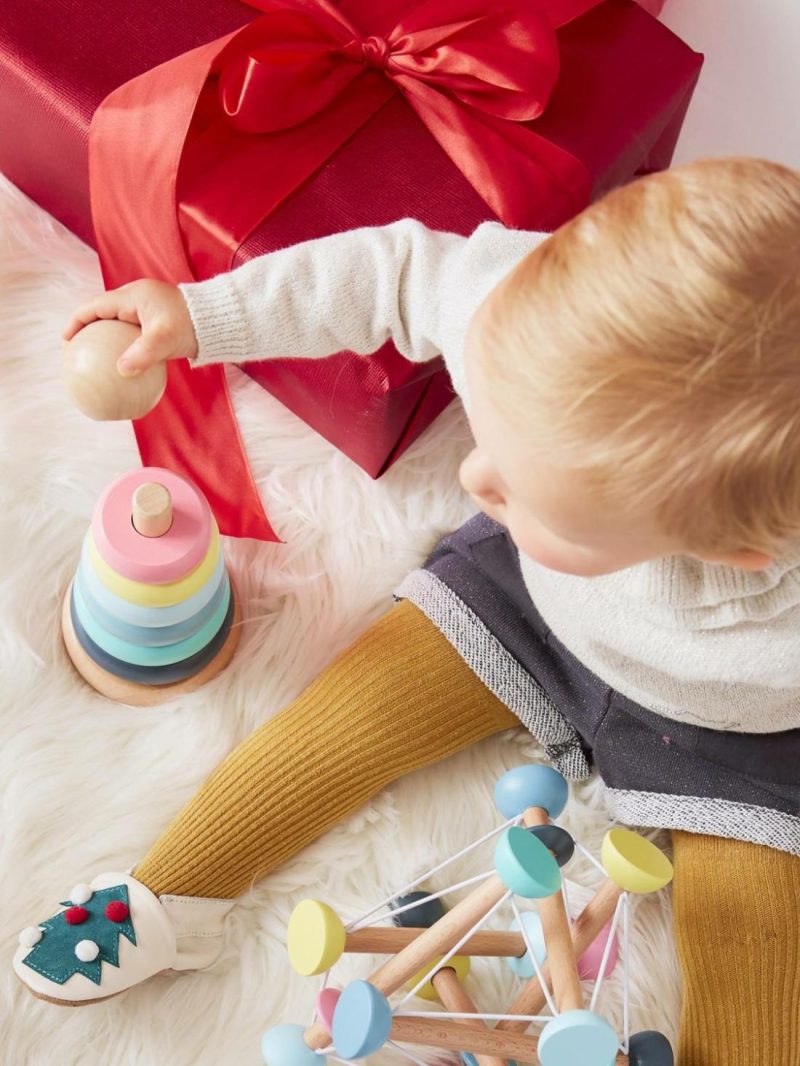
(630, 591)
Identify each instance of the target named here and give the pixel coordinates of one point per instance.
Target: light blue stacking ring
(531, 785)
(362, 1021)
(153, 675)
(139, 656)
(523, 966)
(150, 636)
(577, 1038)
(137, 615)
(284, 1046)
(525, 865)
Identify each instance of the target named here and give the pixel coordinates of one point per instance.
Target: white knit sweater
(702, 643)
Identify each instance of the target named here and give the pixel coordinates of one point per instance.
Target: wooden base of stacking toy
(431, 961)
(152, 612)
(133, 693)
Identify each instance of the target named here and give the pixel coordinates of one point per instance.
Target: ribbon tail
(529, 182)
(135, 144)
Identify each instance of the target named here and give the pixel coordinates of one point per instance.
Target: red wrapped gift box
(623, 88)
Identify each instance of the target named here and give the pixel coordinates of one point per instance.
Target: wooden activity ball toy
(431, 957)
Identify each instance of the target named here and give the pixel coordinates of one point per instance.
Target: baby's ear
(745, 559)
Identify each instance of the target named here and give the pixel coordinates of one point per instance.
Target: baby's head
(634, 382)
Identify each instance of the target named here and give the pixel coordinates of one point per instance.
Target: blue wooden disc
(284, 1046)
(150, 636)
(152, 675)
(523, 966)
(138, 655)
(421, 917)
(138, 614)
(650, 1048)
(362, 1021)
(577, 1038)
(555, 839)
(524, 864)
(531, 785)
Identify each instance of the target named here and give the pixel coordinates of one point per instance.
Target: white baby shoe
(115, 933)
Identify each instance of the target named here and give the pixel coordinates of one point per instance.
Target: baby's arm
(349, 291)
(352, 291)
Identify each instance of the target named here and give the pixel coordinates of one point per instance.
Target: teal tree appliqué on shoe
(81, 938)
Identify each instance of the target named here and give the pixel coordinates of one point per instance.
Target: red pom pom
(76, 915)
(116, 910)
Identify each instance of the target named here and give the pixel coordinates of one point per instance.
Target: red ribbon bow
(167, 148)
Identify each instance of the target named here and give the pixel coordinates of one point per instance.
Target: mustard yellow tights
(401, 698)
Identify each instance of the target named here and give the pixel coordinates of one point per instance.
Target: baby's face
(545, 506)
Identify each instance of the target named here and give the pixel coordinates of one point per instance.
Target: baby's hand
(161, 311)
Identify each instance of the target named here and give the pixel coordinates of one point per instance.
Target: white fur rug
(87, 785)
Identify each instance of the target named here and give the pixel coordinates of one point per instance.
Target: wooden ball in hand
(93, 382)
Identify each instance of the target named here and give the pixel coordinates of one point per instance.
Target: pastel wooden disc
(152, 560)
(132, 694)
(150, 636)
(136, 614)
(577, 1038)
(327, 999)
(142, 654)
(167, 674)
(156, 595)
(633, 862)
(315, 937)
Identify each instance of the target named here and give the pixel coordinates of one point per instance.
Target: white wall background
(747, 101)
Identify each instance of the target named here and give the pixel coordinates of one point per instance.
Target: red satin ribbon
(198, 151)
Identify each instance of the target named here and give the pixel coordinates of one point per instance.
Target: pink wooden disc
(152, 560)
(326, 1005)
(589, 962)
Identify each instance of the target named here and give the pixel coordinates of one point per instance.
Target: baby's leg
(398, 699)
(737, 925)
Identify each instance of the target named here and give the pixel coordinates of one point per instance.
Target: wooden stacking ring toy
(431, 960)
(151, 612)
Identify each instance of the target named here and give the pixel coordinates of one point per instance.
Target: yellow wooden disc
(459, 963)
(315, 937)
(156, 595)
(632, 862)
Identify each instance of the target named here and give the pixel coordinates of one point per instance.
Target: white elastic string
(626, 973)
(355, 926)
(591, 858)
(598, 981)
(324, 1050)
(408, 1055)
(432, 871)
(470, 932)
(482, 1017)
(529, 946)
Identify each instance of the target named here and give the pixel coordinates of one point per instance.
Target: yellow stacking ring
(156, 595)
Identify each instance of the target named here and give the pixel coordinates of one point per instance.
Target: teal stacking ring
(138, 615)
(525, 865)
(150, 636)
(148, 656)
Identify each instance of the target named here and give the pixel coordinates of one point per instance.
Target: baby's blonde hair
(654, 342)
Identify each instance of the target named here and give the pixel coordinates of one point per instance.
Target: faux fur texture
(87, 785)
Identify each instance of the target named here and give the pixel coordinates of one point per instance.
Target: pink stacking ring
(152, 560)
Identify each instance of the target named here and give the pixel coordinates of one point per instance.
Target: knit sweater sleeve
(353, 291)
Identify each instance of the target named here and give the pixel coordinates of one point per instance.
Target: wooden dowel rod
(440, 938)
(558, 937)
(386, 940)
(456, 999)
(586, 928)
(438, 1032)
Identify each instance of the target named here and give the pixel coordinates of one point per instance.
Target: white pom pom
(80, 894)
(87, 950)
(30, 937)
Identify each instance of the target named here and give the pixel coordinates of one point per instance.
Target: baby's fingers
(107, 305)
(153, 346)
